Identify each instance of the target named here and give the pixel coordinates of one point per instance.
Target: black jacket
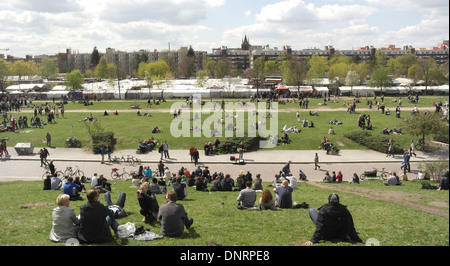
(93, 226)
(334, 222)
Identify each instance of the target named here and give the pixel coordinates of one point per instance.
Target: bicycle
(374, 174)
(122, 176)
(47, 172)
(69, 171)
(132, 160)
(72, 143)
(114, 159)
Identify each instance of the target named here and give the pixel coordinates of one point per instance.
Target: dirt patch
(399, 197)
(35, 205)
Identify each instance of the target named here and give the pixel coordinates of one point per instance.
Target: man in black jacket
(333, 221)
(95, 220)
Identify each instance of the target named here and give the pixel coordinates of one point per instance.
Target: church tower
(245, 44)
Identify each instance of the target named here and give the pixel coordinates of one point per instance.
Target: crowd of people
(96, 219)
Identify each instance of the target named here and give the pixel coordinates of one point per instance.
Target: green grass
(389, 222)
(129, 128)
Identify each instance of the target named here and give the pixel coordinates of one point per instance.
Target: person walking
(49, 139)
(412, 149)
(102, 152)
(316, 161)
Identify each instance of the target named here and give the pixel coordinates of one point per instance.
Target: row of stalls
(212, 88)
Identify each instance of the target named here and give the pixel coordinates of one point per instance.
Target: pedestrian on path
(102, 152)
(412, 148)
(166, 150)
(49, 139)
(316, 161)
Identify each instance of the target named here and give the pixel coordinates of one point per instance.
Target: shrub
(377, 142)
(103, 139)
(230, 144)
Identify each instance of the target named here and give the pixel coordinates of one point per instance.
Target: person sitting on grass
(283, 195)
(266, 202)
(173, 217)
(333, 221)
(71, 189)
(443, 183)
(148, 203)
(65, 223)
(95, 220)
(247, 196)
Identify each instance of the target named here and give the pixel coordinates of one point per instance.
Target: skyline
(48, 27)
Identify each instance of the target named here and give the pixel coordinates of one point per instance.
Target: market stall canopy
(282, 87)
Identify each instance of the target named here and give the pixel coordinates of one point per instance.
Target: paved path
(266, 163)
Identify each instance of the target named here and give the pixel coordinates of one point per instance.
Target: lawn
(392, 224)
(129, 128)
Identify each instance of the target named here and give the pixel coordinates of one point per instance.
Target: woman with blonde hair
(266, 201)
(65, 223)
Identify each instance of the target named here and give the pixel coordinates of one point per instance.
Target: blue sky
(50, 26)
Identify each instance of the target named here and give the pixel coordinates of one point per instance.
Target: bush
(377, 143)
(442, 137)
(102, 139)
(230, 144)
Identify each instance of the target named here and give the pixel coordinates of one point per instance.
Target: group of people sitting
(326, 144)
(147, 145)
(387, 131)
(96, 218)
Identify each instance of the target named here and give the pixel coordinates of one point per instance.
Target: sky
(31, 27)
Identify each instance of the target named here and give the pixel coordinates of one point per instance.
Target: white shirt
(292, 181)
(94, 181)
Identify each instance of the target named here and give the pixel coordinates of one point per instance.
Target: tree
(5, 71)
(223, 68)
(95, 58)
(48, 68)
(21, 69)
(75, 81)
(426, 70)
(101, 69)
(380, 78)
(423, 124)
(186, 67)
(256, 74)
(352, 79)
(190, 52)
(404, 62)
(317, 67)
(294, 72)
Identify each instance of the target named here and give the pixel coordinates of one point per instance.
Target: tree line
(340, 70)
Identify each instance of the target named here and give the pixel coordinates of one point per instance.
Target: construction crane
(7, 49)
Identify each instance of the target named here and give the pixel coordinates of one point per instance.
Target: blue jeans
(313, 215)
(111, 221)
(120, 201)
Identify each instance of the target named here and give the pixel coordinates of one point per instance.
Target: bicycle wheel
(68, 172)
(77, 143)
(125, 176)
(44, 176)
(362, 176)
(59, 174)
(383, 176)
(79, 173)
(115, 175)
